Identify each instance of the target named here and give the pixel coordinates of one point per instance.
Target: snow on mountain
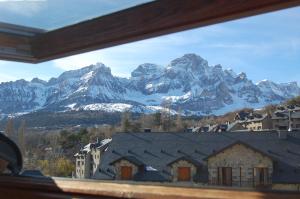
(120, 107)
(187, 83)
(272, 91)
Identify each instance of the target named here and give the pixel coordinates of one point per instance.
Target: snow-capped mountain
(188, 83)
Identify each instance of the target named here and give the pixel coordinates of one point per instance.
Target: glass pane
(196, 99)
(53, 14)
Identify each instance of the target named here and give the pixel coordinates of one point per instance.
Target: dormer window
(184, 173)
(184, 169)
(127, 167)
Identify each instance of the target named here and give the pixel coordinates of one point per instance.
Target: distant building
(260, 123)
(267, 160)
(284, 120)
(252, 122)
(88, 158)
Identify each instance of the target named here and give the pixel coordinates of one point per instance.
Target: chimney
(290, 121)
(147, 130)
(282, 135)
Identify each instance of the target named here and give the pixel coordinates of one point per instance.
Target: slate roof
(159, 149)
(255, 118)
(186, 158)
(87, 148)
(131, 159)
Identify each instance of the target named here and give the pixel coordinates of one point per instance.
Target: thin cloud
(26, 8)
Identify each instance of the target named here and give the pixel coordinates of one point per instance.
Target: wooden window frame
(26, 44)
(31, 45)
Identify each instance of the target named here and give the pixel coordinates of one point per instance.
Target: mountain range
(187, 84)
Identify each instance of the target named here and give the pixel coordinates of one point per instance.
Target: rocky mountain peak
(38, 81)
(230, 73)
(147, 70)
(189, 62)
(188, 82)
(242, 76)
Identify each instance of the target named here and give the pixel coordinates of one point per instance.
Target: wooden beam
(25, 44)
(146, 21)
(15, 48)
(25, 187)
(15, 42)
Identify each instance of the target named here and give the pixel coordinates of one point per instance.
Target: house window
(225, 176)
(260, 176)
(184, 174)
(126, 173)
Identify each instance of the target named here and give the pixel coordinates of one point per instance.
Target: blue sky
(265, 46)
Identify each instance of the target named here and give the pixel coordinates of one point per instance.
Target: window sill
(25, 187)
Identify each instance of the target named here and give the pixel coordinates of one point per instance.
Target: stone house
(88, 158)
(239, 164)
(267, 160)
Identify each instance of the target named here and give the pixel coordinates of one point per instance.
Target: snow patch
(108, 107)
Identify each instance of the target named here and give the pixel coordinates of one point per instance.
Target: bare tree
(166, 115)
(179, 123)
(9, 130)
(21, 137)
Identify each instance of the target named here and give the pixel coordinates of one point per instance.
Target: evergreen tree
(125, 122)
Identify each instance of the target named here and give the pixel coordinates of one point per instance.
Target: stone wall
(182, 163)
(79, 166)
(121, 163)
(95, 156)
(242, 160)
(83, 166)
